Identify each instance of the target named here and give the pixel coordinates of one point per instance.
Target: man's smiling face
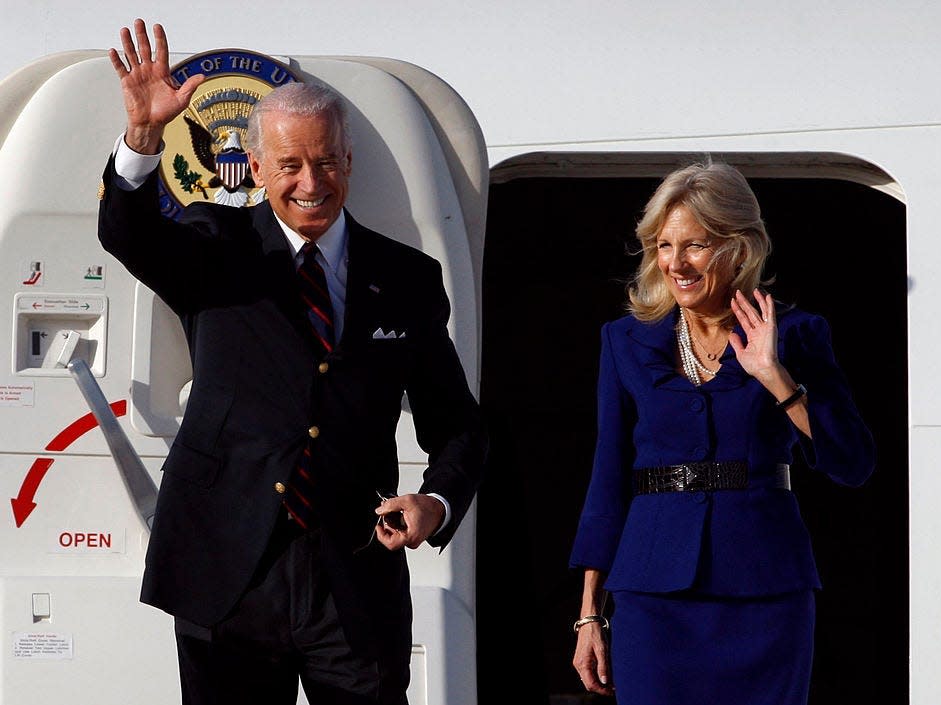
(301, 163)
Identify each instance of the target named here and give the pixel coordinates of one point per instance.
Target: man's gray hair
(308, 99)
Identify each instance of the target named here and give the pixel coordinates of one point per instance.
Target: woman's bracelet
(588, 620)
(786, 404)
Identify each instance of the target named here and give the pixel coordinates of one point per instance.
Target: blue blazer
(734, 542)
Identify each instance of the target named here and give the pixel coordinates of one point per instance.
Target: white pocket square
(379, 334)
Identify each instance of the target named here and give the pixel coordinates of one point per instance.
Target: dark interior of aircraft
(557, 257)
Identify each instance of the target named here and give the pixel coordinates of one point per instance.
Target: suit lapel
(279, 270)
(363, 283)
(273, 243)
(655, 348)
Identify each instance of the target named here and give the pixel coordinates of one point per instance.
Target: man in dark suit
(266, 546)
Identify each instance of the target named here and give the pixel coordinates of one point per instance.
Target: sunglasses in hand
(393, 520)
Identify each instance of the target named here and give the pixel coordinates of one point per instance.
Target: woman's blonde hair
(722, 202)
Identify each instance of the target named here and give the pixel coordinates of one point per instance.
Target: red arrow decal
(83, 425)
(23, 504)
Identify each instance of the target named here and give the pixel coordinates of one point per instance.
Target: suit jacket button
(323, 367)
(313, 431)
(280, 488)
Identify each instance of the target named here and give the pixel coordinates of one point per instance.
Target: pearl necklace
(691, 364)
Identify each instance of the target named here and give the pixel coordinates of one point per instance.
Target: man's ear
(349, 163)
(255, 166)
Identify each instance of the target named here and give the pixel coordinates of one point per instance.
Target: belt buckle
(684, 477)
(696, 479)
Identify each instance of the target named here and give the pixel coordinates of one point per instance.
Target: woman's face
(684, 252)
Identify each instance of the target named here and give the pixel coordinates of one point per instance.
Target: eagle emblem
(216, 124)
(204, 156)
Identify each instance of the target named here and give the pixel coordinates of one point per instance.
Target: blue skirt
(694, 649)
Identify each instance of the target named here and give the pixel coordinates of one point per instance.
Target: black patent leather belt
(705, 477)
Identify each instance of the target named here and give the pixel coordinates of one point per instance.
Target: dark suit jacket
(732, 542)
(228, 273)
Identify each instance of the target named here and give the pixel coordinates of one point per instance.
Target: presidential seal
(204, 158)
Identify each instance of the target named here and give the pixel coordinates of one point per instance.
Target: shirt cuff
(447, 512)
(132, 168)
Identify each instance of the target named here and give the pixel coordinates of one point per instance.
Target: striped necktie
(312, 284)
(313, 287)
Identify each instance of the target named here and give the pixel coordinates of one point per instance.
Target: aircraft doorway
(554, 270)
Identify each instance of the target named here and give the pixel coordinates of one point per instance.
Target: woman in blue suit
(689, 521)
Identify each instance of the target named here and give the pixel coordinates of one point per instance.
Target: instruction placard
(19, 394)
(49, 646)
(89, 305)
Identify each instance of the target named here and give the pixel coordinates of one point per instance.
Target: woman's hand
(591, 650)
(152, 98)
(591, 659)
(758, 355)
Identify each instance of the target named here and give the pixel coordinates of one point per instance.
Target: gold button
(323, 367)
(313, 431)
(280, 488)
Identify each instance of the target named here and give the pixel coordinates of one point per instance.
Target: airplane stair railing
(140, 486)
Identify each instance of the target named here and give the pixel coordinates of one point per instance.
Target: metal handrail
(140, 486)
